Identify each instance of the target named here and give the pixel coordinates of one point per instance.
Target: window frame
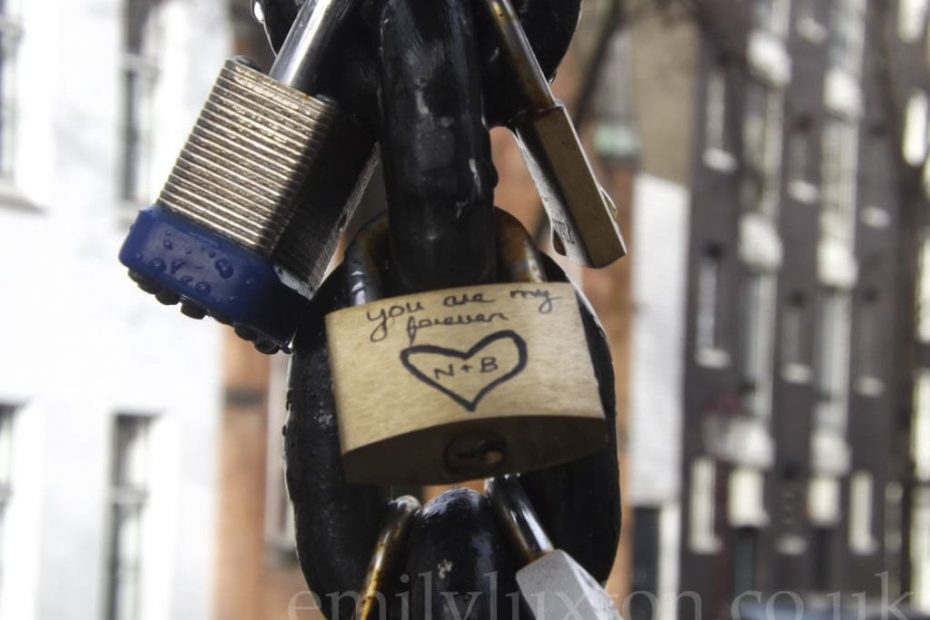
(129, 496)
(710, 351)
(139, 75)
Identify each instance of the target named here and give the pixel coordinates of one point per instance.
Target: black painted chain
(425, 76)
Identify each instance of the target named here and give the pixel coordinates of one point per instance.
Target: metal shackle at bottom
(445, 386)
(516, 513)
(552, 583)
(372, 600)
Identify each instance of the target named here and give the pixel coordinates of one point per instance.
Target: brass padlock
(445, 386)
(582, 215)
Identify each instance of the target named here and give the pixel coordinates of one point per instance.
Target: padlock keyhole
(477, 455)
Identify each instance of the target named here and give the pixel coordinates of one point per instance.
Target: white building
(109, 403)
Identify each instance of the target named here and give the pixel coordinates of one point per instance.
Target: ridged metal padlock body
(273, 169)
(450, 385)
(250, 215)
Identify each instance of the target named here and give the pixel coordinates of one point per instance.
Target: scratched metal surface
(435, 146)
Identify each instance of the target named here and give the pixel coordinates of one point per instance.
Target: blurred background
(770, 329)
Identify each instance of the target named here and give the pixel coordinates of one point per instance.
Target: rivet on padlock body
(583, 217)
(552, 583)
(260, 192)
(452, 385)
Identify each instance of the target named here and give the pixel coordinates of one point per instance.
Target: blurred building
(109, 404)
(775, 441)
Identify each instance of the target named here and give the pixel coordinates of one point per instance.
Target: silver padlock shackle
(393, 533)
(513, 507)
(304, 50)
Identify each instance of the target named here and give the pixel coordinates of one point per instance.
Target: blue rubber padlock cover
(212, 271)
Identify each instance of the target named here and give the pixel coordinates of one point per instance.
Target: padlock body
(273, 169)
(451, 385)
(582, 215)
(556, 586)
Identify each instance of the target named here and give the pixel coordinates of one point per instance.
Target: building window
(615, 133)
(795, 336)
(800, 185)
(139, 76)
(842, 88)
(762, 140)
(868, 341)
(862, 540)
(718, 151)
(846, 45)
(129, 495)
(832, 362)
(702, 529)
(839, 170)
(789, 511)
(710, 351)
(756, 339)
(10, 35)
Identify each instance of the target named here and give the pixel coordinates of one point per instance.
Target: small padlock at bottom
(452, 385)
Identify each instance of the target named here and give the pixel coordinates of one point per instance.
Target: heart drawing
(468, 376)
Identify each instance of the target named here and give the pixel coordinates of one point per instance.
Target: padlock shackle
(514, 509)
(365, 260)
(548, 24)
(309, 39)
(518, 259)
(393, 533)
(519, 55)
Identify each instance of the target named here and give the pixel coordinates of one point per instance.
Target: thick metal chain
(437, 99)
